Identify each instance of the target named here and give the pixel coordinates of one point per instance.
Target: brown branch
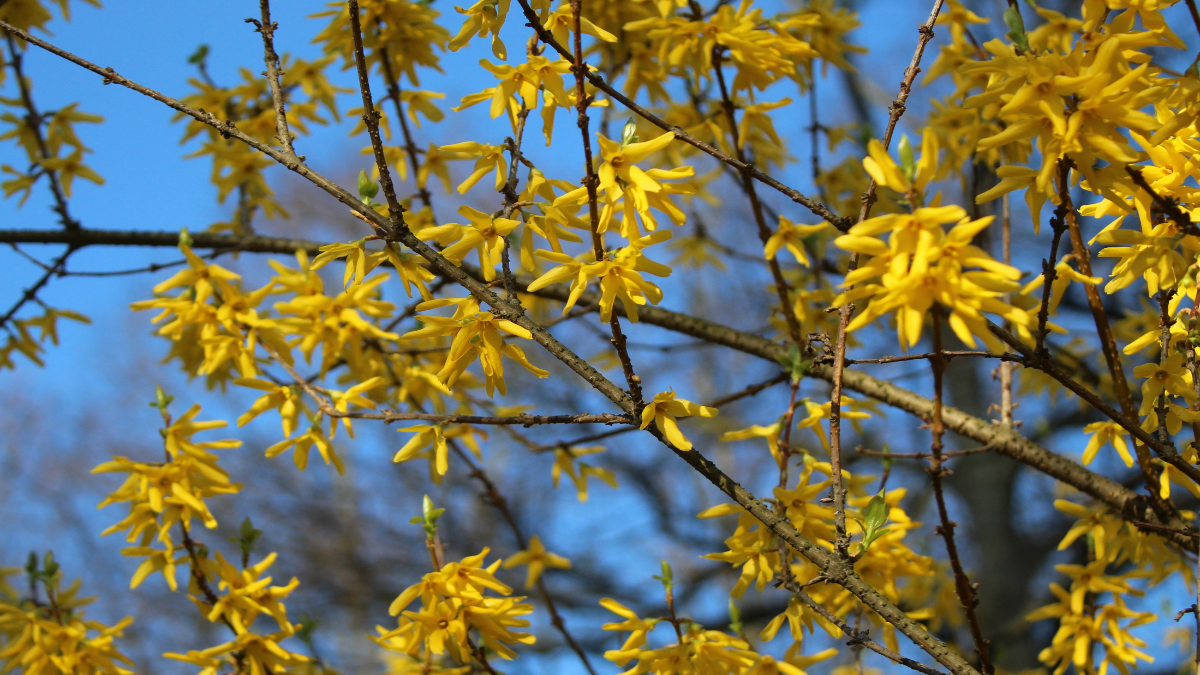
(1108, 344)
(1164, 450)
(856, 637)
(267, 28)
(392, 80)
(206, 589)
(716, 403)
(225, 242)
(53, 270)
(1168, 204)
(512, 202)
(897, 107)
(937, 471)
(33, 119)
(847, 310)
(923, 455)
(371, 118)
(1191, 4)
(764, 230)
(1005, 440)
(1049, 275)
(1172, 530)
(524, 420)
(598, 81)
(947, 355)
(592, 182)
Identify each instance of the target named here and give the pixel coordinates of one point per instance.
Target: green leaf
(735, 617)
(668, 576)
(429, 517)
(49, 566)
(908, 162)
(875, 515)
(161, 400)
(246, 537)
(877, 512)
(367, 188)
(1016, 25)
(185, 239)
(200, 56)
(795, 363)
(629, 132)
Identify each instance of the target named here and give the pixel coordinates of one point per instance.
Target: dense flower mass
(682, 111)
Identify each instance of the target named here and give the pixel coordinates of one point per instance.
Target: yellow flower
(484, 17)
(476, 336)
(638, 629)
(200, 275)
(486, 235)
(770, 433)
(565, 462)
(427, 436)
(285, 398)
(537, 558)
(665, 409)
(301, 445)
(1106, 433)
(922, 264)
(491, 157)
(911, 178)
(248, 593)
(639, 190)
(791, 236)
(1171, 377)
(620, 276)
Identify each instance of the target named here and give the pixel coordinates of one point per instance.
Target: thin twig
(33, 120)
(267, 28)
(856, 638)
(1168, 204)
(932, 355)
(764, 230)
(31, 293)
(1108, 341)
(1164, 450)
(716, 403)
(965, 590)
(598, 81)
(924, 455)
(592, 182)
(1191, 4)
(847, 310)
(392, 80)
(370, 117)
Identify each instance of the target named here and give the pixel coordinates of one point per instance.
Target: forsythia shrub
(1077, 112)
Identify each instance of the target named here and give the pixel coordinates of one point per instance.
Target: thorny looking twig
(764, 230)
(845, 311)
(371, 119)
(267, 28)
(33, 120)
(1108, 341)
(598, 81)
(856, 638)
(592, 182)
(962, 584)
